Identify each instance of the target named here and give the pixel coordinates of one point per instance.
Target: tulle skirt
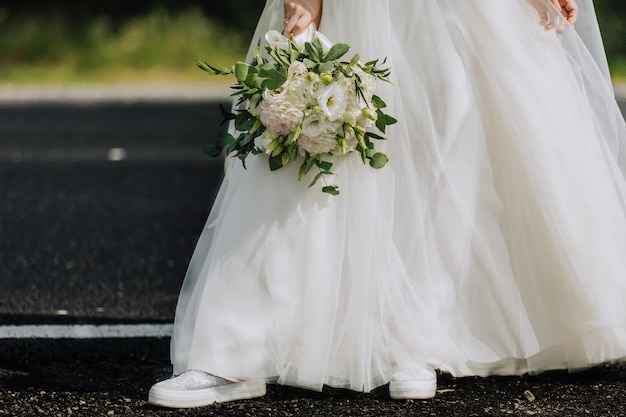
(493, 242)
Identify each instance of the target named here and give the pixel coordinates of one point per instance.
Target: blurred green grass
(157, 47)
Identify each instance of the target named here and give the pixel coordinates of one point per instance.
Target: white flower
(297, 70)
(314, 125)
(311, 88)
(273, 95)
(280, 116)
(349, 118)
(332, 101)
(317, 145)
(296, 93)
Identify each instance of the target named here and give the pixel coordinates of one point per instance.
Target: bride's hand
(568, 8)
(299, 14)
(549, 19)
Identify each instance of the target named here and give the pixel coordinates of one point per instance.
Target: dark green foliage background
(612, 18)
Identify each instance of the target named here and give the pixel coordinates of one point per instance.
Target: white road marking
(85, 331)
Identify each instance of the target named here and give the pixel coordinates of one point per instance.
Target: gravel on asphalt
(112, 377)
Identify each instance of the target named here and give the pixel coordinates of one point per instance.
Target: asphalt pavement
(102, 202)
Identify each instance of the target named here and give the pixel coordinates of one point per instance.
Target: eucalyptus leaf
(212, 149)
(325, 165)
(225, 139)
(331, 189)
(241, 71)
(378, 160)
(275, 79)
(244, 121)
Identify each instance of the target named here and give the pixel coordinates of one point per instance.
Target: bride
(492, 243)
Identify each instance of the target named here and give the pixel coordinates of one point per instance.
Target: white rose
(296, 93)
(332, 101)
(280, 116)
(273, 95)
(312, 86)
(314, 125)
(297, 70)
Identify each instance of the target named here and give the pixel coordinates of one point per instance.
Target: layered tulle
(492, 242)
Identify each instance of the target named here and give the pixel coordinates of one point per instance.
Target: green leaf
(317, 44)
(373, 135)
(246, 139)
(227, 115)
(380, 121)
(326, 67)
(325, 165)
(378, 160)
(244, 121)
(212, 149)
(275, 79)
(337, 51)
(276, 163)
(331, 189)
(211, 70)
(215, 148)
(378, 102)
(224, 139)
(306, 166)
(312, 52)
(390, 120)
(241, 71)
(316, 178)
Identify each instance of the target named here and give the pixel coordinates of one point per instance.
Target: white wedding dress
(494, 241)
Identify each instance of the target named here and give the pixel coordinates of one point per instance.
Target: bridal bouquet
(301, 101)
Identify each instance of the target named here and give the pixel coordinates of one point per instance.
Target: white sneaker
(420, 385)
(197, 389)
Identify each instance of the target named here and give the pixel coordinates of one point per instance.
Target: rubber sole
(188, 399)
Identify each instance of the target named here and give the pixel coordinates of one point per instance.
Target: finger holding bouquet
(299, 14)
